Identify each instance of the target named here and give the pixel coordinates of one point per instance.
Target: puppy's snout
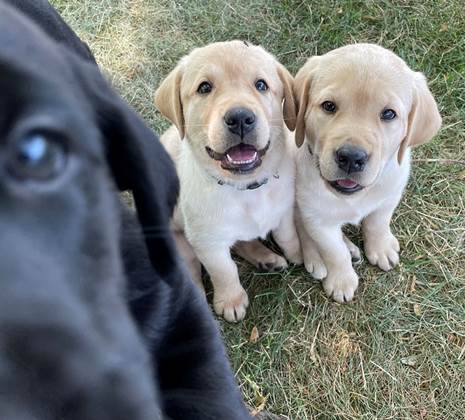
(240, 121)
(351, 158)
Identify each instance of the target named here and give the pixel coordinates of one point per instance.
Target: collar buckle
(256, 184)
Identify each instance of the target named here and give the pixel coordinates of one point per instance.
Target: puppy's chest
(255, 213)
(238, 215)
(258, 214)
(347, 212)
(339, 210)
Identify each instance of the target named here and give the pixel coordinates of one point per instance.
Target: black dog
(69, 346)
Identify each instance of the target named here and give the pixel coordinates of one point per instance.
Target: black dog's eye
(37, 156)
(204, 88)
(261, 85)
(329, 107)
(388, 114)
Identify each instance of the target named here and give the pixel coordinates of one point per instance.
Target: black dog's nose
(351, 158)
(240, 121)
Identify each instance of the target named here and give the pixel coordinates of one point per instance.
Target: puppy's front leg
(229, 297)
(286, 237)
(381, 246)
(341, 281)
(311, 255)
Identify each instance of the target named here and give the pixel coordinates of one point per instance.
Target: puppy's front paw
(383, 252)
(231, 305)
(341, 286)
(314, 264)
(272, 262)
(355, 255)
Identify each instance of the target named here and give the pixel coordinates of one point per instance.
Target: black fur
(76, 270)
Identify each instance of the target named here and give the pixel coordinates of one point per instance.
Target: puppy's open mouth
(345, 186)
(242, 158)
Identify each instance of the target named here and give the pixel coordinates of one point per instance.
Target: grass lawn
(398, 350)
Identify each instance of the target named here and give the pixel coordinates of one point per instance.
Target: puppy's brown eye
(329, 107)
(204, 88)
(388, 114)
(261, 85)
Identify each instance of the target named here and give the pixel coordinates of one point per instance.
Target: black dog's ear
(138, 162)
(44, 15)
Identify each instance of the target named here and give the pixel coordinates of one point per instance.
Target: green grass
(397, 351)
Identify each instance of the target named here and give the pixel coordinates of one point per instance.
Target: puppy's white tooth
(229, 159)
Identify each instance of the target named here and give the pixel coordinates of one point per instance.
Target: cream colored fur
(362, 80)
(210, 219)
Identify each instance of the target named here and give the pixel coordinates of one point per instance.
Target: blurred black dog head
(68, 346)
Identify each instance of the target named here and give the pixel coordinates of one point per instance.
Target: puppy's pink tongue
(242, 153)
(346, 183)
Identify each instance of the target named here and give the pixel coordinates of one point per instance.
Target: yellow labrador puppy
(231, 104)
(361, 108)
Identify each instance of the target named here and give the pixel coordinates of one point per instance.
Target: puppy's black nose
(240, 121)
(351, 159)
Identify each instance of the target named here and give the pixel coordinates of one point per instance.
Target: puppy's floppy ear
(168, 99)
(138, 162)
(289, 105)
(301, 87)
(424, 119)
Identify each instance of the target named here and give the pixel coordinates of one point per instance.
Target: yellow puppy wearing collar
(232, 107)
